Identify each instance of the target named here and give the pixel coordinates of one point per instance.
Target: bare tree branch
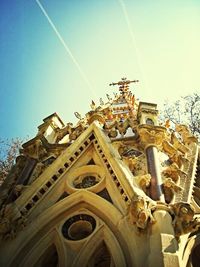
(9, 150)
(185, 111)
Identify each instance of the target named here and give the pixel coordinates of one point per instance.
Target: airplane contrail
(124, 9)
(67, 49)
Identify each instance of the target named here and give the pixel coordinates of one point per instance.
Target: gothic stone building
(118, 189)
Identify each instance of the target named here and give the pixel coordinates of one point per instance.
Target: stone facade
(117, 189)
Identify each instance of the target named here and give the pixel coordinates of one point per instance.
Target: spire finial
(124, 84)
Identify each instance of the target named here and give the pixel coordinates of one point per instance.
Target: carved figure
(76, 132)
(64, 131)
(141, 212)
(123, 126)
(169, 188)
(128, 151)
(149, 136)
(173, 172)
(180, 160)
(186, 134)
(168, 148)
(184, 221)
(143, 181)
(178, 144)
(37, 171)
(169, 183)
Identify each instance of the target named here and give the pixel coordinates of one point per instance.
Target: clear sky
(155, 41)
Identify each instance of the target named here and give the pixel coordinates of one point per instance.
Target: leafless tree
(184, 111)
(9, 150)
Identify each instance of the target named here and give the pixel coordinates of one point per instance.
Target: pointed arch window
(149, 121)
(101, 257)
(49, 258)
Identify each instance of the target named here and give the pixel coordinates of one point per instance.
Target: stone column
(151, 138)
(154, 169)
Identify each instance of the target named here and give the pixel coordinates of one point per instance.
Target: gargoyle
(178, 144)
(141, 212)
(184, 221)
(169, 188)
(173, 172)
(169, 183)
(186, 134)
(180, 160)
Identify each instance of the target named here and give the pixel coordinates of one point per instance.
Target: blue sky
(158, 43)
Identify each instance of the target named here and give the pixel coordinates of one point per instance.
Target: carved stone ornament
(174, 154)
(143, 181)
(121, 127)
(10, 224)
(35, 150)
(173, 172)
(184, 221)
(186, 134)
(151, 135)
(77, 132)
(178, 144)
(169, 148)
(141, 212)
(170, 188)
(96, 116)
(37, 171)
(128, 151)
(170, 184)
(64, 131)
(12, 178)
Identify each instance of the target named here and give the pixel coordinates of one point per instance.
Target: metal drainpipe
(154, 169)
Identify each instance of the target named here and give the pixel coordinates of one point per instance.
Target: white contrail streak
(66, 47)
(123, 6)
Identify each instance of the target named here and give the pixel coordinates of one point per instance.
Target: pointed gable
(70, 172)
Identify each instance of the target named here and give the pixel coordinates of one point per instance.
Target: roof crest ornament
(124, 84)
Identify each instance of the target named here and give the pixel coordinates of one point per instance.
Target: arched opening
(34, 255)
(149, 121)
(101, 257)
(48, 258)
(191, 254)
(195, 257)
